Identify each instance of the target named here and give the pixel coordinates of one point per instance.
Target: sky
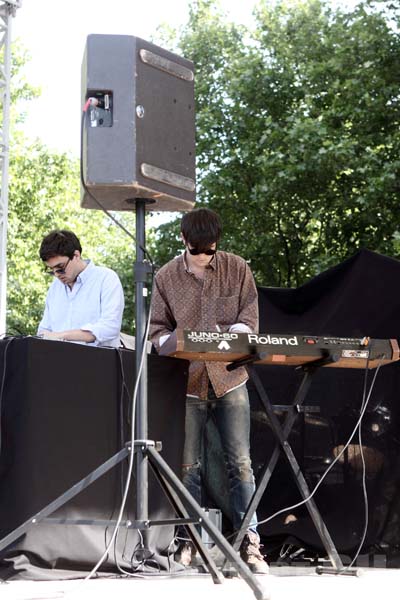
(54, 33)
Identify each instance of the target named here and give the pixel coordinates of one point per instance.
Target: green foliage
(21, 89)
(298, 146)
(44, 195)
(297, 133)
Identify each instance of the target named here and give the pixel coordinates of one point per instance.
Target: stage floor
(284, 583)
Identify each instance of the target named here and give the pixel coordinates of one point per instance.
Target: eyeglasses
(196, 251)
(57, 270)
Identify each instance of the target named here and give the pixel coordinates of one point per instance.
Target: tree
(44, 195)
(297, 133)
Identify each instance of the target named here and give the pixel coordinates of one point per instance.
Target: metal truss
(7, 12)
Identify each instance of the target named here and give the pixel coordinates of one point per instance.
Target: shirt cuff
(91, 329)
(162, 339)
(239, 328)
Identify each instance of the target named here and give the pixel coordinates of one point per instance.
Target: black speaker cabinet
(139, 132)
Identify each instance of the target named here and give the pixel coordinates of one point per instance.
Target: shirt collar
(83, 275)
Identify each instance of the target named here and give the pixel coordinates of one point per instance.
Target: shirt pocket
(227, 310)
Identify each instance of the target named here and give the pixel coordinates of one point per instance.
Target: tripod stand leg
(177, 486)
(196, 539)
(63, 499)
(299, 478)
(269, 466)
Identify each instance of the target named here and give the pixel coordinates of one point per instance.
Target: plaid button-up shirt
(226, 296)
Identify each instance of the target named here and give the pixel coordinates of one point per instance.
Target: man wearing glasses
(206, 289)
(84, 302)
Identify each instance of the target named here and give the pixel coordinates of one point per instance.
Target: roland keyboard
(280, 349)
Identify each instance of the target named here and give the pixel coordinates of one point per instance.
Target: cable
(364, 407)
(124, 388)
(120, 439)
(99, 204)
(130, 468)
(127, 392)
(364, 481)
(135, 563)
(330, 466)
(3, 379)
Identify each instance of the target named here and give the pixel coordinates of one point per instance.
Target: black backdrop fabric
(64, 412)
(360, 297)
(356, 298)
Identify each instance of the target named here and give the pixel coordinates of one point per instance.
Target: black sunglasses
(196, 251)
(57, 270)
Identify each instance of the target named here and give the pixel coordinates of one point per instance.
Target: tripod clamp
(145, 444)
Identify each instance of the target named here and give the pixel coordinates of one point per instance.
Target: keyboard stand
(282, 433)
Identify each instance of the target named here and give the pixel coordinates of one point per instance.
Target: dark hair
(201, 228)
(59, 242)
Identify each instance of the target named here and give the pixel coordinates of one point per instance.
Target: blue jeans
(232, 417)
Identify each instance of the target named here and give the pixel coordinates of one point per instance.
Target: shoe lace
(252, 547)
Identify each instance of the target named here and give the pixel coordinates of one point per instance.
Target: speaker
(139, 131)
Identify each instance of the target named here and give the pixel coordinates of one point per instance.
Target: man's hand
(71, 335)
(51, 335)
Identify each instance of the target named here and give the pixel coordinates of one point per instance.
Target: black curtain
(66, 410)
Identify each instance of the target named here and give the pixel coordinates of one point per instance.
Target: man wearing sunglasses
(205, 289)
(84, 302)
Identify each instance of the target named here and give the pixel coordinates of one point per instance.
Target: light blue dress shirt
(95, 304)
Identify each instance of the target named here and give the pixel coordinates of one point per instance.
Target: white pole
(7, 11)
